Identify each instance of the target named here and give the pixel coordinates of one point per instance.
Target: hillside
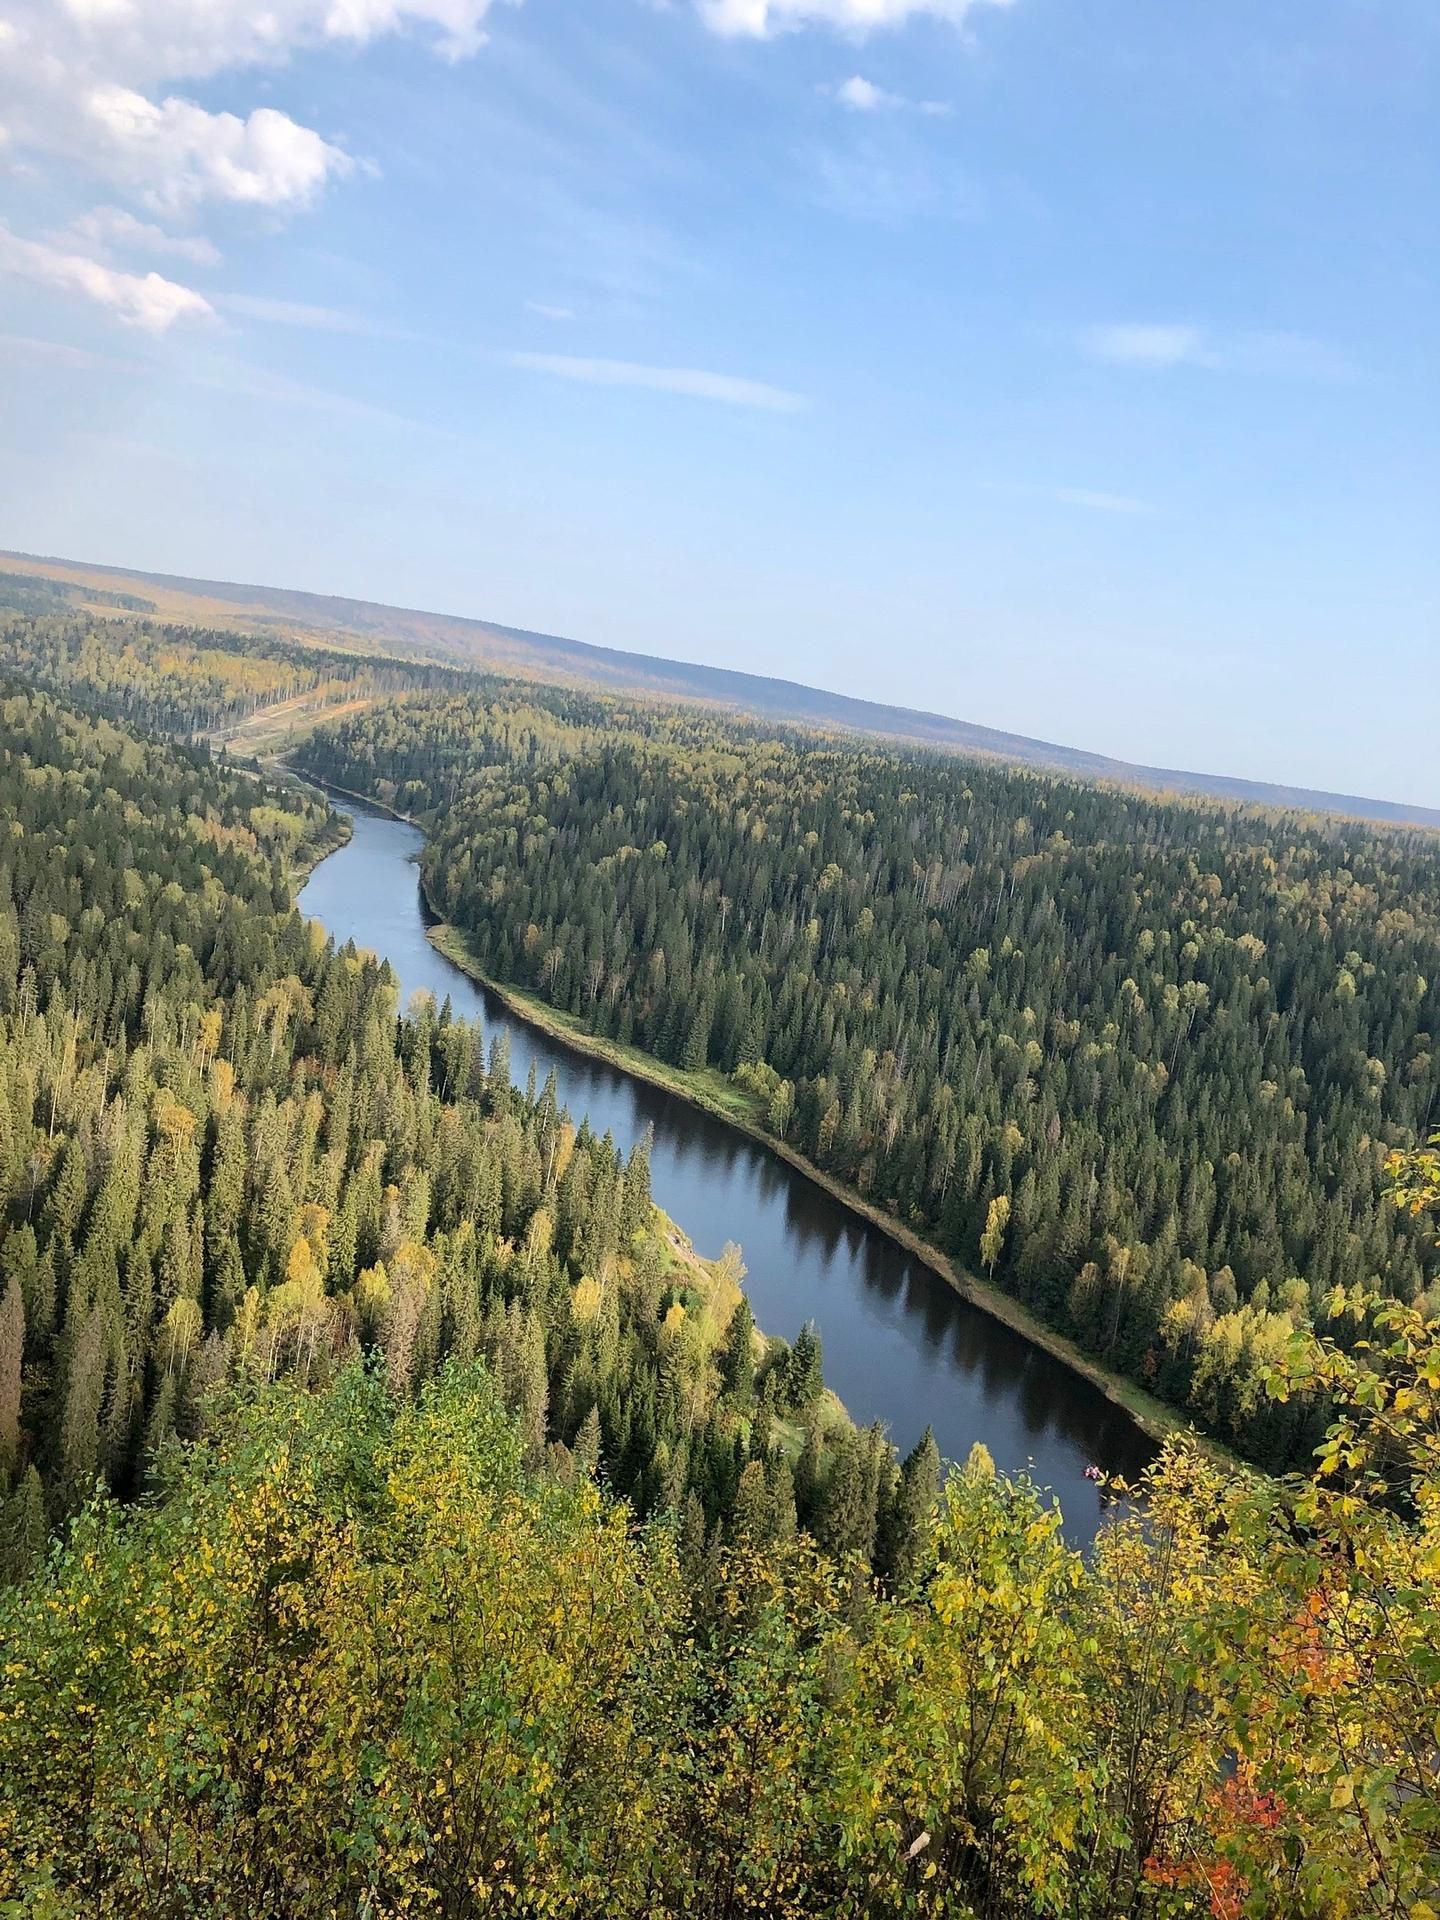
(373, 627)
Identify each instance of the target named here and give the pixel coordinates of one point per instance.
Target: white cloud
(691, 381)
(149, 42)
(138, 300)
(863, 96)
(1155, 347)
(547, 312)
(93, 82)
(105, 228)
(759, 19)
(177, 153)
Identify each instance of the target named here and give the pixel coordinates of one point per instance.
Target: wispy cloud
(1141, 344)
(693, 382)
(114, 229)
(1289, 356)
(1088, 499)
(1096, 501)
(22, 349)
(860, 95)
(234, 377)
(224, 375)
(890, 183)
(293, 313)
(1161, 346)
(147, 301)
(548, 312)
(760, 19)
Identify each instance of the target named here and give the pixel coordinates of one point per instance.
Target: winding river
(900, 1345)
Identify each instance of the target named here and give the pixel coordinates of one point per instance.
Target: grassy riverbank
(714, 1093)
(306, 859)
(708, 1289)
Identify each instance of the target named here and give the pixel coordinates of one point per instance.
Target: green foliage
(179, 679)
(356, 1657)
(458, 1564)
(1415, 1177)
(804, 1379)
(351, 1662)
(222, 1158)
(1142, 1059)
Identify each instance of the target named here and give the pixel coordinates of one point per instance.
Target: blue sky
(1069, 368)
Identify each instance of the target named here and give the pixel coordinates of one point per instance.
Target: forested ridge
(40, 593)
(1141, 1060)
(190, 680)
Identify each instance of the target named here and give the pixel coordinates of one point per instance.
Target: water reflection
(900, 1345)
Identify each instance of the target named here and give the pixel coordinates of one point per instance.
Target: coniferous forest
(1139, 1060)
(188, 680)
(399, 1519)
(221, 1151)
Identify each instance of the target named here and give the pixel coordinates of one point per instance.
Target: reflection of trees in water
(1039, 1402)
(899, 1341)
(812, 1220)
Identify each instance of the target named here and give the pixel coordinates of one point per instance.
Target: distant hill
(372, 627)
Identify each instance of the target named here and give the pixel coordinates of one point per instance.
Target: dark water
(900, 1345)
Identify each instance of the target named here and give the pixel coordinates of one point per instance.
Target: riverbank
(328, 787)
(721, 1293)
(715, 1094)
(707, 1290)
(739, 1113)
(307, 858)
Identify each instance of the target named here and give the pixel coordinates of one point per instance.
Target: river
(900, 1344)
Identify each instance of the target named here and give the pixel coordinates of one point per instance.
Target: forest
(1139, 1060)
(191, 680)
(399, 1519)
(221, 1152)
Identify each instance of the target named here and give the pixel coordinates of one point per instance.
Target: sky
(1068, 368)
